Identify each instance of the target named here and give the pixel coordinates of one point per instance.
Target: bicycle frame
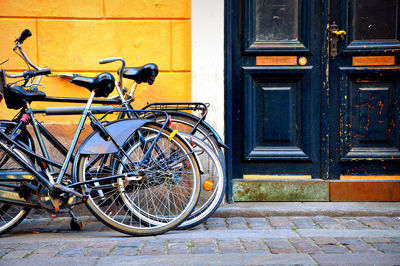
(39, 129)
(135, 175)
(68, 153)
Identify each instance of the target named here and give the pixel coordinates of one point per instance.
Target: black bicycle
(135, 175)
(191, 127)
(212, 170)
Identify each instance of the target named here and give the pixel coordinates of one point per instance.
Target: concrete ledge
(210, 259)
(338, 209)
(265, 209)
(280, 190)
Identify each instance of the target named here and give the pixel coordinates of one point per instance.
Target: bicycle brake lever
(34, 86)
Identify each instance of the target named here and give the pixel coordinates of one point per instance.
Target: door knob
(333, 38)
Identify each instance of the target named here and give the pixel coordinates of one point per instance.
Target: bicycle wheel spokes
(167, 180)
(156, 195)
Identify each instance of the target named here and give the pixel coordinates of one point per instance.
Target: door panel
(369, 117)
(276, 20)
(372, 25)
(364, 78)
(374, 19)
(276, 108)
(272, 26)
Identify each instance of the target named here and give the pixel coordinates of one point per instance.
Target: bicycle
(211, 197)
(212, 177)
(123, 171)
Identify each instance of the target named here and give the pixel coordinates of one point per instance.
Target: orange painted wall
(71, 36)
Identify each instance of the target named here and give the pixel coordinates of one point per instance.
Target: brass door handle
(334, 32)
(339, 32)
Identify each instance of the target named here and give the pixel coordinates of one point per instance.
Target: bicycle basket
(2, 84)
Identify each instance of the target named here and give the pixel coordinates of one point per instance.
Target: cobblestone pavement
(219, 241)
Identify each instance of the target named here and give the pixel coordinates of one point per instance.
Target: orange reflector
(208, 184)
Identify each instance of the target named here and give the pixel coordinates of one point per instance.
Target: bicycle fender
(217, 137)
(119, 130)
(207, 127)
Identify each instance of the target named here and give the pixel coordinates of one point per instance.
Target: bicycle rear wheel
(212, 182)
(157, 196)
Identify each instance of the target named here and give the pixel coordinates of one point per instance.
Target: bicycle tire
(209, 199)
(11, 215)
(105, 202)
(212, 180)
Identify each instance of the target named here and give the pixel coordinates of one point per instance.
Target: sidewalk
(261, 209)
(232, 237)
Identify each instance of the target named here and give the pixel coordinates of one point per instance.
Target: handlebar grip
(44, 71)
(25, 34)
(110, 60)
(30, 74)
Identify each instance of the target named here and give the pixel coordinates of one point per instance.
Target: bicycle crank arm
(65, 189)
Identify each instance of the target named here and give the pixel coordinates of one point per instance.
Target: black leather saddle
(103, 84)
(16, 96)
(146, 73)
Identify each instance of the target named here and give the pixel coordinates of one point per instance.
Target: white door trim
(207, 85)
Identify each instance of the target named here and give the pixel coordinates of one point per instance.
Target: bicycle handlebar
(111, 59)
(31, 74)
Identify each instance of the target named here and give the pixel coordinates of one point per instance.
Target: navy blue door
(312, 88)
(364, 89)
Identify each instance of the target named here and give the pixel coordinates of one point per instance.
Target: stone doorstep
(280, 190)
(262, 190)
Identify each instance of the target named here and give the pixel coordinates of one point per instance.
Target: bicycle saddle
(16, 96)
(146, 73)
(103, 84)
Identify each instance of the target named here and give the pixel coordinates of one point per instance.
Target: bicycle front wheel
(11, 215)
(158, 192)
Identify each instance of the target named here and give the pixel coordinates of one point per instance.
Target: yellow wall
(71, 36)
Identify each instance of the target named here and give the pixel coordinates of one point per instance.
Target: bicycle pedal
(56, 203)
